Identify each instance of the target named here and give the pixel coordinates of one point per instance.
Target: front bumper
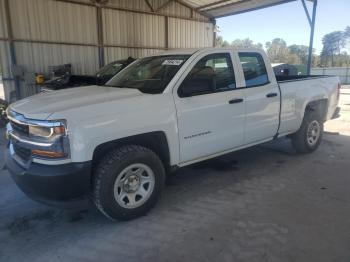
(66, 185)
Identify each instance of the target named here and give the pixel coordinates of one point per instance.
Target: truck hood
(41, 106)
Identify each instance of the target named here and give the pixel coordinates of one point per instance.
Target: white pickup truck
(115, 144)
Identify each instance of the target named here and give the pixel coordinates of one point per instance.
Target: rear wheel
(128, 182)
(309, 136)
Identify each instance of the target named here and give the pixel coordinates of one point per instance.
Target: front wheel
(128, 182)
(309, 136)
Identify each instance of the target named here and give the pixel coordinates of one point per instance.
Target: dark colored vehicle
(102, 76)
(3, 116)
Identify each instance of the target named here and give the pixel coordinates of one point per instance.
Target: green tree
(277, 51)
(301, 51)
(245, 43)
(332, 46)
(221, 42)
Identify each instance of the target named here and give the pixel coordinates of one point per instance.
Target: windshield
(149, 75)
(110, 69)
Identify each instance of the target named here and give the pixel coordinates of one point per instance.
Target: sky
(287, 21)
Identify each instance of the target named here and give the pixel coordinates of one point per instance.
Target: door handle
(271, 95)
(235, 101)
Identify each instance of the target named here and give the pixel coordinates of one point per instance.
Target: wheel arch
(155, 141)
(320, 106)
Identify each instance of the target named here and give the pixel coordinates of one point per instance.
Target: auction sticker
(172, 62)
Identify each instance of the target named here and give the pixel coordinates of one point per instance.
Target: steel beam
(214, 33)
(149, 5)
(215, 4)
(136, 11)
(12, 47)
(101, 55)
(306, 12)
(309, 60)
(163, 6)
(21, 40)
(166, 33)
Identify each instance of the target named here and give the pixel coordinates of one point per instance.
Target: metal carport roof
(220, 8)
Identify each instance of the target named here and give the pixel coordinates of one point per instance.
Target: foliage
(333, 53)
(333, 43)
(245, 43)
(221, 42)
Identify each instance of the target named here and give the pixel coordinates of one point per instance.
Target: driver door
(210, 109)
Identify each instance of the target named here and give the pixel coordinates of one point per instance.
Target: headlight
(40, 131)
(47, 139)
(43, 131)
(55, 137)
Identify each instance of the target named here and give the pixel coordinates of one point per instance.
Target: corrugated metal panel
(172, 8)
(9, 88)
(48, 20)
(38, 57)
(28, 90)
(5, 68)
(125, 28)
(133, 4)
(5, 59)
(175, 8)
(3, 31)
(53, 21)
(112, 53)
(189, 34)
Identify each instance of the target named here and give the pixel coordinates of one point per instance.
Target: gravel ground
(265, 203)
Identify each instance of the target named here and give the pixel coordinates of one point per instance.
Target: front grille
(22, 152)
(21, 128)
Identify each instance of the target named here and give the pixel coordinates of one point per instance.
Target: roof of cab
(190, 51)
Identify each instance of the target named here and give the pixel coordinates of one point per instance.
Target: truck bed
(297, 90)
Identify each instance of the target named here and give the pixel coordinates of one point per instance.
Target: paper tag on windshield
(172, 62)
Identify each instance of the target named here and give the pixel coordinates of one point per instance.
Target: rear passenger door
(210, 110)
(262, 98)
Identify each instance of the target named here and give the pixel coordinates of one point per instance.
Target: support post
(309, 61)
(166, 33)
(306, 12)
(214, 32)
(13, 58)
(101, 56)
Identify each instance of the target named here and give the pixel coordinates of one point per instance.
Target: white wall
(342, 72)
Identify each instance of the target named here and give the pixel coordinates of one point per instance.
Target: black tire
(300, 138)
(109, 169)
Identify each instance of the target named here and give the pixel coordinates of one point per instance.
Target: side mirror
(196, 86)
(184, 91)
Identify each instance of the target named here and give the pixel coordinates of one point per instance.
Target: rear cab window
(254, 69)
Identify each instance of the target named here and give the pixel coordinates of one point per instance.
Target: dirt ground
(261, 204)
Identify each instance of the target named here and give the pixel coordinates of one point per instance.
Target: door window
(213, 73)
(254, 69)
